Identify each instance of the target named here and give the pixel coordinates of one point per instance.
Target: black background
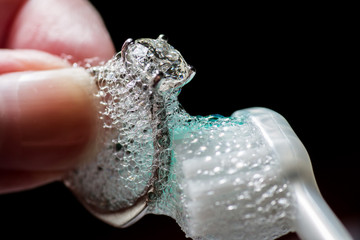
(297, 60)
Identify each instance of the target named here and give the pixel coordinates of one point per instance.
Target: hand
(47, 111)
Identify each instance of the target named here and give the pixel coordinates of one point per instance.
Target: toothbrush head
(232, 178)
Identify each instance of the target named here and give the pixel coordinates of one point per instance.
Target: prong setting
(163, 37)
(125, 47)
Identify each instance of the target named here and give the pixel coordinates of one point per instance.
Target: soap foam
(222, 180)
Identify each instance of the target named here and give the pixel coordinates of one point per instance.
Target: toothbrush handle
(315, 219)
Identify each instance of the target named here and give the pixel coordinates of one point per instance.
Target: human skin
(47, 108)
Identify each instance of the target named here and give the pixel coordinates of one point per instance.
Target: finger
(12, 181)
(47, 119)
(71, 27)
(8, 9)
(25, 60)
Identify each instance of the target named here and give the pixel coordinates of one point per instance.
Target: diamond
(147, 57)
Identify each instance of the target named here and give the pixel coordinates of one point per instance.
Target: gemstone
(147, 57)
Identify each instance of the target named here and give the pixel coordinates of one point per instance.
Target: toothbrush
(247, 176)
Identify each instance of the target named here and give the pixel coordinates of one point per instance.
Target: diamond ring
(134, 89)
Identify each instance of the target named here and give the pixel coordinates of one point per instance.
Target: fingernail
(48, 119)
(16, 60)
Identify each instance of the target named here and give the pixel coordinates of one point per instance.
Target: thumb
(47, 120)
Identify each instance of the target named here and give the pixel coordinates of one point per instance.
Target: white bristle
(233, 188)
